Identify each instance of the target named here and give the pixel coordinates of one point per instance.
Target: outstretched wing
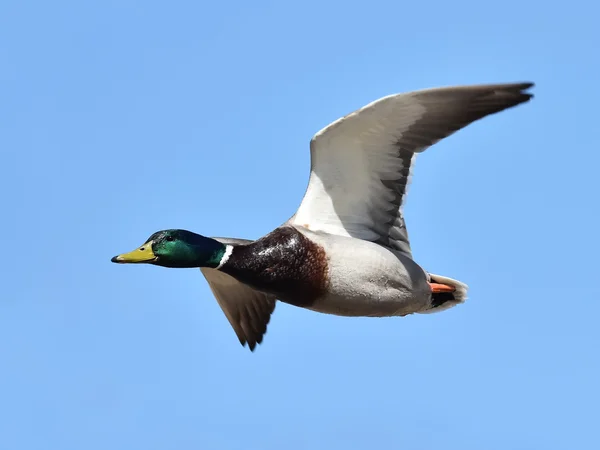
(247, 309)
(361, 164)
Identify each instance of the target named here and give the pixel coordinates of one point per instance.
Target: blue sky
(120, 118)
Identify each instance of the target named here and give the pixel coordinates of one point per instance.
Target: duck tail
(446, 298)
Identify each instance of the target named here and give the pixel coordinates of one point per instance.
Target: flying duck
(346, 249)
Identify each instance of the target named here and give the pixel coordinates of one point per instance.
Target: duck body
(331, 274)
(346, 250)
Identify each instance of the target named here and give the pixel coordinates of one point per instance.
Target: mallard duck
(346, 249)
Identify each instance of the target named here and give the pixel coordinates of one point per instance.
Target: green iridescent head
(177, 249)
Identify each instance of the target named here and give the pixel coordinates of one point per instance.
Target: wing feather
(361, 164)
(247, 310)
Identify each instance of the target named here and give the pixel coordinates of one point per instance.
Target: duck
(346, 249)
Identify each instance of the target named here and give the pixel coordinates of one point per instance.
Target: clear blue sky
(120, 118)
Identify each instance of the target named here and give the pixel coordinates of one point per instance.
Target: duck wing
(361, 164)
(247, 309)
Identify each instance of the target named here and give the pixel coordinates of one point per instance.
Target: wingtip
(251, 345)
(520, 87)
(513, 93)
(525, 86)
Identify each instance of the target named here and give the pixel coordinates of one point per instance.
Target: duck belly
(366, 279)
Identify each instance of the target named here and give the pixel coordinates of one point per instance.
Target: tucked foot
(445, 293)
(438, 288)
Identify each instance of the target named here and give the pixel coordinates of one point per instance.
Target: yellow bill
(143, 254)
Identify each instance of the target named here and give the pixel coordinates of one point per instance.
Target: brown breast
(284, 263)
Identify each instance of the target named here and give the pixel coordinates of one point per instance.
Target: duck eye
(169, 238)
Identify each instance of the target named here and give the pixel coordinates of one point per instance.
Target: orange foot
(438, 287)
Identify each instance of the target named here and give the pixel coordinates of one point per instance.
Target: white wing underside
(361, 164)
